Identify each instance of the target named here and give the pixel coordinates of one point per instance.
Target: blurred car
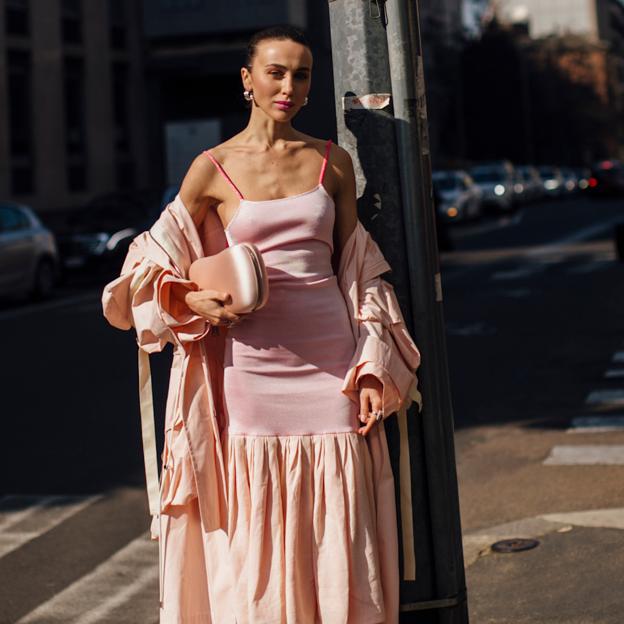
(96, 237)
(531, 182)
(458, 197)
(552, 180)
(607, 178)
(29, 258)
(496, 181)
(583, 174)
(570, 180)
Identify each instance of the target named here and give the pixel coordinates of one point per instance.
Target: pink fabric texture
(273, 509)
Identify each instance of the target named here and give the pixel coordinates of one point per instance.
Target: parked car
(607, 178)
(570, 181)
(531, 182)
(552, 180)
(96, 238)
(496, 181)
(583, 174)
(29, 257)
(459, 198)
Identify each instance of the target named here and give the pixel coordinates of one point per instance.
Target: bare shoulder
(196, 188)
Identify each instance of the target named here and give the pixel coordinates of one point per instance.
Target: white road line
(515, 293)
(586, 455)
(519, 273)
(575, 237)
(596, 424)
(589, 267)
(123, 589)
(614, 373)
(23, 517)
(606, 398)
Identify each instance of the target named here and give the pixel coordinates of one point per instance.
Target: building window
(120, 107)
(17, 17)
(75, 126)
(117, 24)
(21, 146)
(124, 165)
(71, 21)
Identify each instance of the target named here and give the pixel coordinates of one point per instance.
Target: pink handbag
(238, 270)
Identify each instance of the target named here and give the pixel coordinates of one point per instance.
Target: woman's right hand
(210, 305)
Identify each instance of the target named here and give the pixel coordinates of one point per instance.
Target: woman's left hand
(370, 401)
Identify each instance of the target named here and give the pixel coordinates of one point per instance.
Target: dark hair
(280, 32)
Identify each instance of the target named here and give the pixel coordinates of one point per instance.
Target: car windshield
(487, 175)
(547, 172)
(446, 183)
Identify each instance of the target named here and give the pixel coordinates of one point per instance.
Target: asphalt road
(532, 304)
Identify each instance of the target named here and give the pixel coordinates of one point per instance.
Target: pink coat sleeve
(150, 298)
(384, 348)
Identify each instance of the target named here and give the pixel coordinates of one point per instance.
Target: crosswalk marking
(606, 398)
(123, 589)
(597, 454)
(25, 517)
(596, 424)
(614, 373)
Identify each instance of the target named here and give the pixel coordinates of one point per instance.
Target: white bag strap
(148, 433)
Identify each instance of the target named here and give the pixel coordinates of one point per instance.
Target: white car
(497, 181)
(29, 258)
(457, 196)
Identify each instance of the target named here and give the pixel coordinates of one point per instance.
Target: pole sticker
(369, 101)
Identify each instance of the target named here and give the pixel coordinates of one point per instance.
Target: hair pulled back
(280, 32)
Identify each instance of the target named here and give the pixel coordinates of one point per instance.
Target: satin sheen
(279, 380)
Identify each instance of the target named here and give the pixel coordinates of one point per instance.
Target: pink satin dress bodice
(285, 363)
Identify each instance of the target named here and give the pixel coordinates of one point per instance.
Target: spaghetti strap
(327, 148)
(222, 172)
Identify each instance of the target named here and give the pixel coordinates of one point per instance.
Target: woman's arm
(345, 199)
(195, 190)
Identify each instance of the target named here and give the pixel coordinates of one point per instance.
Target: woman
(276, 500)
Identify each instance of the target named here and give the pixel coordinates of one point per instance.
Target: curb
(478, 543)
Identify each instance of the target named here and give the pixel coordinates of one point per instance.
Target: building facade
(71, 100)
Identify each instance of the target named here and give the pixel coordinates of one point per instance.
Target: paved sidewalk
(574, 576)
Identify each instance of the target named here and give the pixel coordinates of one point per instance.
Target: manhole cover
(514, 545)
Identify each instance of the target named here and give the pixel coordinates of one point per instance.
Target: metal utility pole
(382, 121)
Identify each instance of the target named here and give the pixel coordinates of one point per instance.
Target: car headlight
(551, 185)
(94, 243)
(117, 237)
(499, 190)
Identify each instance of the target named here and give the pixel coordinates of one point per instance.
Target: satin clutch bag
(238, 270)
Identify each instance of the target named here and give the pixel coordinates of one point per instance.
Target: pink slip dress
(302, 536)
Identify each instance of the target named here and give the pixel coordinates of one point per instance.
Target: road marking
(606, 398)
(614, 373)
(23, 517)
(589, 267)
(618, 356)
(91, 296)
(515, 293)
(471, 329)
(123, 589)
(519, 273)
(586, 455)
(580, 235)
(596, 424)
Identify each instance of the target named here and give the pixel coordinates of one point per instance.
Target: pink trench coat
(149, 296)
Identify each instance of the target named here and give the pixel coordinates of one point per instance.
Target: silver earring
(305, 101)
(248, 95)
